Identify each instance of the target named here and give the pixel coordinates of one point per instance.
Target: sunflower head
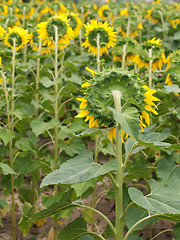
(98, 97)
(107, 36)
(22, 9)
(104, 12)
(74, 22)
(2, 32)
(17, 34)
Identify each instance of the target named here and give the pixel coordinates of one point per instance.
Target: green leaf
(23, 144)
(80, 188)
(135, 214)
(6, 136)
(177, 231)
(5, 169)
(89, 132)
(129, 121)
(64, 203)
(28, 165)
(153, 139)
(164, 199)
(39, 126)
(134, 238)
(172, 88)
(76, 230)
(46, 82)
(164, 167)
(177, 35)
(18, 114)
(78, 169)
(86, 237)
(136, 173)
(3, 204)
(24, 223)
(108, 233)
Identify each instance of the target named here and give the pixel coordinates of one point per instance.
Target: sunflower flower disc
(75, 23)
(107, 37)
(46, 32)
(20, 35)
(98, 97)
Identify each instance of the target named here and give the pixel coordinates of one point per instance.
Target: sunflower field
(89, 120)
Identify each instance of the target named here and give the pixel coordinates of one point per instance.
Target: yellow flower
(29, 11)
(1, 81)
(46, 32)
(4, 10)
(2, 32)
(75, 23)
(168, 80)
(91, 71)
(57, 8)
(104, 12)
(124, 12)
(20, 35)
(140, 26)
(107, 36)
(155, 41)
(154, 20)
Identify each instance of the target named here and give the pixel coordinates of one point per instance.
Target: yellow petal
(91, 71)
(86, 84)
(147, 107)
(82, 114)
(146, 117)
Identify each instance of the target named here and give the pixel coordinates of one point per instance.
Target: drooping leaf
(6, 169)
(46, 82)
(80, 188)
(129, 121)
(78, 169)
(24, 223)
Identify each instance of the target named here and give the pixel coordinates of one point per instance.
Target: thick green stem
(94, 192)
(37, 79)
(119, 173)
(124, 56)
(11, 127)
(56, 111)
(98, 53)
(150, 67)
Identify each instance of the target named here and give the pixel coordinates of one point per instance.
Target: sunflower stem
(124, 56)
(80, 42)
(94, 192)
(150, 67)
(98, 53)
(56, 117)
(163, 24)
(119, 173)
(11, 128)
(24, 15)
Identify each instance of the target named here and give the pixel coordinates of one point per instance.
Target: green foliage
(69, 173)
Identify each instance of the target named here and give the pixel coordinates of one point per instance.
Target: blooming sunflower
(158, 56)
(2, 32)
(57, 8)
(107, 36)
(26, 8)
(46, 32)
(8, 2)
(20, 35)
(4, 10)
(98, 98)
(104, 12)
(75, 23)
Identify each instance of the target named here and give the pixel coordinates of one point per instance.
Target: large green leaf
(136, 173)
(76, 230)
(172, 88)
(129, 121)
(39, 126)
(6, 136)
(64, 203)
(164, 198)
(164, 167)
(177, 231)
(86, 237)
(78, 169)
(80, 188)
(5, 169)
(154, 139)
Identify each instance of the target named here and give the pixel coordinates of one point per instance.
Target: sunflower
(4, 10)
(107, 36)
(98, 98)
(24, 8)
(75, 23)
(2, 32)
(8, 2)
(46, 32)
(57, 8)
(104, 12)
(20, 35)
(150, 17)
(158, 56)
